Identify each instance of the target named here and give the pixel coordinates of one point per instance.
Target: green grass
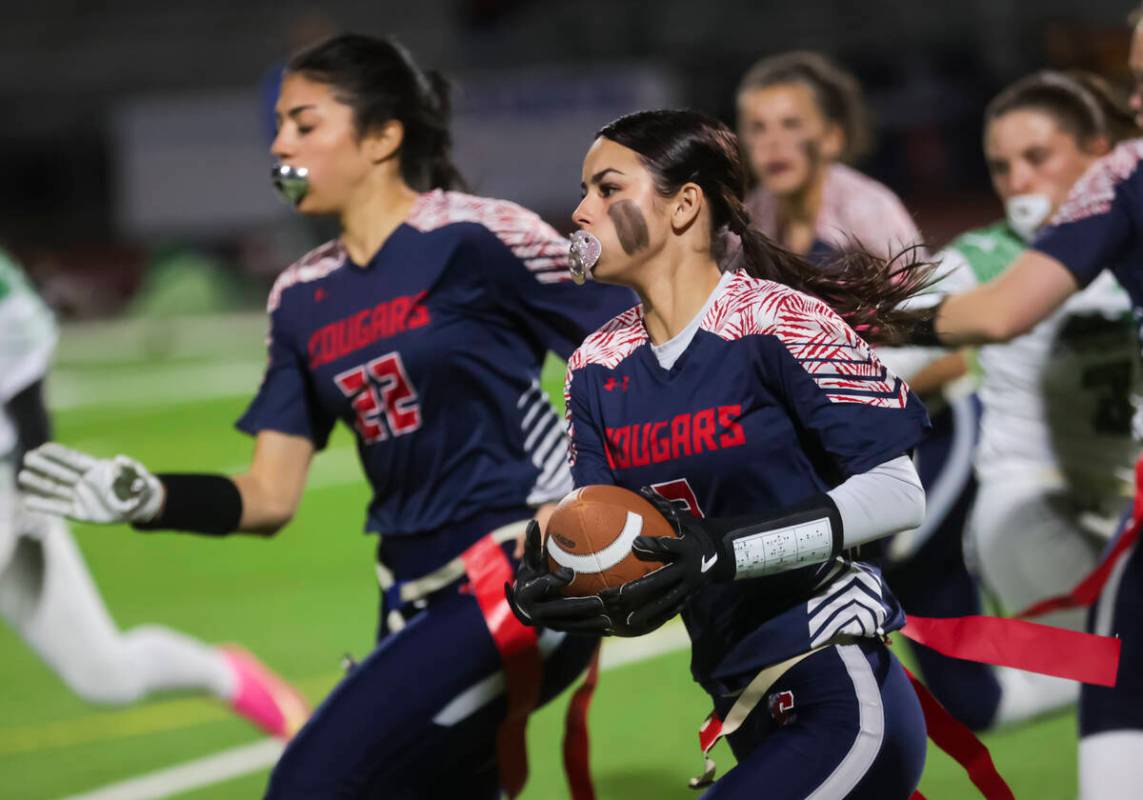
(307, 597)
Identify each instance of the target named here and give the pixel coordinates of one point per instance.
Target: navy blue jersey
(431, 353)
(1100, 225)
(775, 400)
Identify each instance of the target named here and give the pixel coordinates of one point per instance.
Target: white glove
(65, 482)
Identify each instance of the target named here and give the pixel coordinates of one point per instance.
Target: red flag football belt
(1013, 643)
(488, 569)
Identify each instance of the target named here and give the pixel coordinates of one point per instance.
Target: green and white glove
(65, 482)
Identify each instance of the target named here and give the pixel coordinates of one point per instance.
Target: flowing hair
(679, 147)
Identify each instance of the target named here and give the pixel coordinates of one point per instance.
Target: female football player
(47, 593)
(423, 327)
(1056, 439)
(802, 121)
(758, 409)
(1096, 228)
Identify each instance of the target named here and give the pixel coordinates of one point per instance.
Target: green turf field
(301, 601)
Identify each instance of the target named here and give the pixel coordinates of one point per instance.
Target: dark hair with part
(836, 92)
(379, 80)
(680, 147)
(1084, 105)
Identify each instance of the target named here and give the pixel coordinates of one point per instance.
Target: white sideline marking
(238, 761)
(232, 763)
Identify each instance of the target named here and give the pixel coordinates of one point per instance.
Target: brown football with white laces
(591, 532)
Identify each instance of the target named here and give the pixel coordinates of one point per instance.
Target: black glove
(535, 596)
(690, 562)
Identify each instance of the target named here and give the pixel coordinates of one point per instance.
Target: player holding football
(1097, 228)
(787, 443)
(46, 591)
(423, 327)
(1056, 440)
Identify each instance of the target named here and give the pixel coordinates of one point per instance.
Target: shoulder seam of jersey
(314, 265)
(1093, 192)
(536, 243)
(841, 363)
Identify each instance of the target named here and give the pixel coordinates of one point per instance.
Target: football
(591, 532)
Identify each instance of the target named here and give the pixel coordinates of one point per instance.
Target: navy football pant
(418, 717)
(1118, 613)
(843, 723)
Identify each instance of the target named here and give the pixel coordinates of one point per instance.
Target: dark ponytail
(379, 80)
(680, 147)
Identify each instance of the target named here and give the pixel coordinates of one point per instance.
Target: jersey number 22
(381, 395)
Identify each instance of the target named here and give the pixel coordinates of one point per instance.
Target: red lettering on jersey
(703, 430)
(681, 435)
(734, 436)
(380, 328)
(420, 312)
(640, 458)
(618, 447)
(660, 445)
(353, 384)
(359, 329)
(400, 308)
(362, 328)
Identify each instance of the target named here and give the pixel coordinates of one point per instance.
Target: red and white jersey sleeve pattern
(840, 362)
(536, 243)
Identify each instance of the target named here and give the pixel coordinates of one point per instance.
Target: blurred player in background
(764, 412)
(1097, 228)
(802, 120)
(1055, 456)
(46, 591)
(423, 327)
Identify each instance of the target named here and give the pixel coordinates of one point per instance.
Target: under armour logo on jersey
(611, 383)
(319, 294)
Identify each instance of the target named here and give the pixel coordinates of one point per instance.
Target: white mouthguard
(585, 252)
(1026, 213)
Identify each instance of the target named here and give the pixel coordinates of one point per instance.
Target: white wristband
(783, 549)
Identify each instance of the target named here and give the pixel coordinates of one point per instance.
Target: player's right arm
(1095, 227)
(271, 489)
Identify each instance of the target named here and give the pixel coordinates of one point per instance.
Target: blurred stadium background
(134, 188)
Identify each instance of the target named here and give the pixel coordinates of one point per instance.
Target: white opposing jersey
(27, 340)
(1060, 399)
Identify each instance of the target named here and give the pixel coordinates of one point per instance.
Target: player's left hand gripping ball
(58, 480)
(535, 596)
(692, 560)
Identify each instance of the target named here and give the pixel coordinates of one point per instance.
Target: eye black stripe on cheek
(630, 226)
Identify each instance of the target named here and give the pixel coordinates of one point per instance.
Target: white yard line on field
(223, 766)
(248, 758)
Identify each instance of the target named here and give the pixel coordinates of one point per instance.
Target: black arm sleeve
(197, 503)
